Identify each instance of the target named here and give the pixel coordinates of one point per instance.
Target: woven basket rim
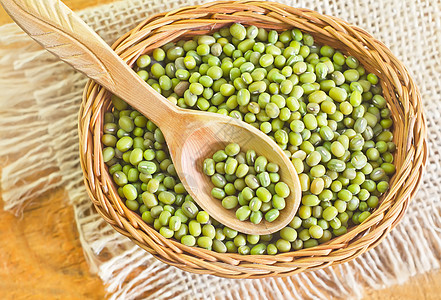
(399, 89)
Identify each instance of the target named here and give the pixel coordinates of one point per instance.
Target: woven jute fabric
(42, 95)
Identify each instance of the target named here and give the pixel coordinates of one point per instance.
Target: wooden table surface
(41, 255)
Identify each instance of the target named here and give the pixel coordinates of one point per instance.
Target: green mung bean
(325, 111)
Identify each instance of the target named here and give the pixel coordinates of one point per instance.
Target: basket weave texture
(399, 90)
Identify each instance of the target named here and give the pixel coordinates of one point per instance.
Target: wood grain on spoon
(191, 135)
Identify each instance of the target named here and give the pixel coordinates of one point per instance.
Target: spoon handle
(60, 31)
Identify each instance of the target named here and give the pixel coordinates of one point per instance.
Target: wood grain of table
(41, 255)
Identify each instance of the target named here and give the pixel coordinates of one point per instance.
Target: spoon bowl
(191, 135)
(214, 133)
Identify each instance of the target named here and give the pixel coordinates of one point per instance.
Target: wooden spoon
(191, 135)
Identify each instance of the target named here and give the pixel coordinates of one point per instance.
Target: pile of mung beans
(248, 181)
(321, 107)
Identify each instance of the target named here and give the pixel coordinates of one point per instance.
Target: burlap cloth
(42, 95)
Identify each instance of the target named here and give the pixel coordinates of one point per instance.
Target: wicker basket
(399, 89)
